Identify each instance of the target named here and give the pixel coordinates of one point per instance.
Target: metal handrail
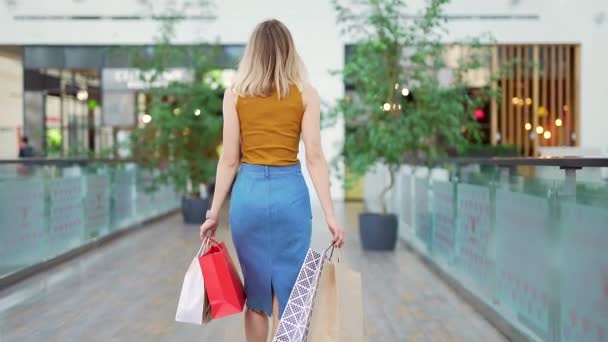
(47, 161)
(561, 162)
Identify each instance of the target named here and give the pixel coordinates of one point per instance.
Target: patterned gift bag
(294, 323)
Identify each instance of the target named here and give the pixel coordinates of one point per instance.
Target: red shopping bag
(223, 285)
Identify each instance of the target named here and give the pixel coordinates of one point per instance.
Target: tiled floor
(127, 291)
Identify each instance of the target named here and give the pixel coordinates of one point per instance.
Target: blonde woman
(269, 106)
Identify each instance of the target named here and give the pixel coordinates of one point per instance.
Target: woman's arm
(228, 163)
(316, 162)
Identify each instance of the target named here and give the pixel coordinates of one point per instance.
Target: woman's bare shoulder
(229, 93)
(230, 97)
(309, 93)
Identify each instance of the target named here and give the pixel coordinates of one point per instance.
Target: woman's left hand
(336, 231)
(208, 228)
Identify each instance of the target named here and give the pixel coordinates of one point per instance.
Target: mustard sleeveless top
(271, 128)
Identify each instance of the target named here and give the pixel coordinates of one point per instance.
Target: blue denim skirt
(271, 224)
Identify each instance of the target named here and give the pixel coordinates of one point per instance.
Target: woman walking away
(268, 107)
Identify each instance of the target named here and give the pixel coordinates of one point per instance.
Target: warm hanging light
(82, 95)
(197, 112)
(176, 111)
(386, 107)
(558, 122)
(396, 86)
(146, 118)
(528, 126)
(540, 129)
(405, 92)
(519, 101)
(528, 101)
(547, 135)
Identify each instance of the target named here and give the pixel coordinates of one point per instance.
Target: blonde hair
(270, 62)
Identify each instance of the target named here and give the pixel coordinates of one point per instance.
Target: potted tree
(406, 101)
(181, 129)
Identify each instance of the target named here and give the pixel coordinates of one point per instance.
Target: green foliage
(54, 142)
(393, 52)
(181, 139)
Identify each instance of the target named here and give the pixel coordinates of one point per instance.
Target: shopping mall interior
(466, 143)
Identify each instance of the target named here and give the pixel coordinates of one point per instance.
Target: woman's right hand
(208, 228)
(336, 231)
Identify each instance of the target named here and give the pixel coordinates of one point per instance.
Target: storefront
(83, 100)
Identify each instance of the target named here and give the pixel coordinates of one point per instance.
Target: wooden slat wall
(494, 105)
(575, 112)
(543, 97)
(535, 98)
(549, 75)
(504, 102)
(511, 113)
(526, 95)
(553, 98)
(568, 99)
(518, 108)
(559, 136)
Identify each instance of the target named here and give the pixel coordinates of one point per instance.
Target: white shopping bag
(192, 305)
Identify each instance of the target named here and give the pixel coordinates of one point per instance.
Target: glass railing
(50, 207)
(527, 237)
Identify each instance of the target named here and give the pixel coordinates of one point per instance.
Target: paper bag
(338, 309)
(191, 307)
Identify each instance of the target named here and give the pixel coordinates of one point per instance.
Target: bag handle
(331, 249)
(205, 246)
(212, 240)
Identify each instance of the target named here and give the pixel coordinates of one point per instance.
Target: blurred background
(474, 130)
